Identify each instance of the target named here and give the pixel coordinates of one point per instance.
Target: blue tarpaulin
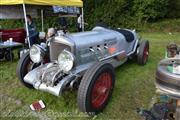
(68, 10)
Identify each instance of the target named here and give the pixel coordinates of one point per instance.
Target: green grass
(167, 25)
(134, 88)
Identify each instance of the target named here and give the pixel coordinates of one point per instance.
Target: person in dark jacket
(63, 23)
(33, 34)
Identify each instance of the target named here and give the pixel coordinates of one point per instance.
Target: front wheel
(24, 66)
(96, 88)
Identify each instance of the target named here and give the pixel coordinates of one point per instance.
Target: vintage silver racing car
(84, 60)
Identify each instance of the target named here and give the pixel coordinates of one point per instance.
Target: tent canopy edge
(77, 3)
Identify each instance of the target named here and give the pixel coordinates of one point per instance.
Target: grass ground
(134, 88)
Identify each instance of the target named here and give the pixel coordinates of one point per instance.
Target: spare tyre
(167, 81)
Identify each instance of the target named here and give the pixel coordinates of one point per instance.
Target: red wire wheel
(146, 54)
(96, 88)
(101, 89)
(143, 53)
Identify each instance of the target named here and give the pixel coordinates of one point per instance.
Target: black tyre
(9, 55)
(24, 66)
(143, 53)
(96, 88)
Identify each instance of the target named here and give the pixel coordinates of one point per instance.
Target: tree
(146, 10)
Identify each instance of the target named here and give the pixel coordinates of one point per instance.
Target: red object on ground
(38, 105)
(18, 35)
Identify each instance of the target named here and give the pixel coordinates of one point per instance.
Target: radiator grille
(56, 49)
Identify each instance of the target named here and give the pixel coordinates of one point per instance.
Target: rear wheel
(96, 88)
(143, 53)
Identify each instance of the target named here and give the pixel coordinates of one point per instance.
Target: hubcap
(146, 54)
(101, 89)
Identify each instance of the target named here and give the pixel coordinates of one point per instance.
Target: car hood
(97, 36)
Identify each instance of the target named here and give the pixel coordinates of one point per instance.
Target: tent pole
(42, 20)
(82, 12)
(27, 30)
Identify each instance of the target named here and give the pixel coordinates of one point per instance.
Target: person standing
(33, 34)
(63, 23)
(79, 23)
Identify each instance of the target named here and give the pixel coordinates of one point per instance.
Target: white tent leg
(27, 30)
(42, 20)
(82, 12)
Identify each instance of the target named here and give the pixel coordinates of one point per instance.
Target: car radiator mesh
(56, 48)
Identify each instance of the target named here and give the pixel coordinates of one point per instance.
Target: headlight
(66, 60)
(36, 54)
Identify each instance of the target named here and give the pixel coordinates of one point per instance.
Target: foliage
(130, 13)
(139, 14)
(174, 9)
(6, 24)
(150, 9)
(112, 13)
(48, 23)
(168, 25)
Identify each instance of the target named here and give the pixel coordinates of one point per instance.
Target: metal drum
(168, 77)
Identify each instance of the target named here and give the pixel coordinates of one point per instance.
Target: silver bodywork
(88, 48)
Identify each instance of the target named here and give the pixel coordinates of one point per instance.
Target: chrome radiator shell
(56, 48)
